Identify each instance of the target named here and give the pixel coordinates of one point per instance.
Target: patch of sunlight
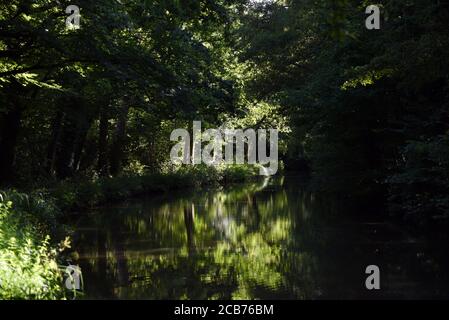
(28, 78)
(366, 79)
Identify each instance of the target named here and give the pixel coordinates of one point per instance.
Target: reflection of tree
(245, 242)
(121, 259)
(189, 213)
(253, 209)
(102, 262)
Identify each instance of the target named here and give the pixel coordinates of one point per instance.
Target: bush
(28, 268)
(72, 195)
(239, 173)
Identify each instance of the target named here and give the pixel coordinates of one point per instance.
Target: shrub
(28, 268)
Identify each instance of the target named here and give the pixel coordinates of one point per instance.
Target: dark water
(265, 240)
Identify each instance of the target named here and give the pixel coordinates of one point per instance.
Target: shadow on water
(265, 240)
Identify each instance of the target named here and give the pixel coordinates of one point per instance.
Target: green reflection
(212, 245)
(263, 240)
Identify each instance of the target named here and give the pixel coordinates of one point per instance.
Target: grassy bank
(28, 222)
(74, 195)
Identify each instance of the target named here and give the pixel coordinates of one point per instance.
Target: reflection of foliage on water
(240, 244)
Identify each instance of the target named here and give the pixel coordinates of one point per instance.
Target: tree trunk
(9, 133)
(54, 140)
(80, 142)
(189, 220)
(103, 144)
(118, 143)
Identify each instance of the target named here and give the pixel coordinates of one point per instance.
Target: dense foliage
(106, 96)
(28, 267)
(86, 114)
(368, 108)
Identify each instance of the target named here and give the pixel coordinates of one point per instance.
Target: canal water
(269, 239)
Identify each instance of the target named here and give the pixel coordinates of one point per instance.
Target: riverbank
(79, 194)
(33, 239)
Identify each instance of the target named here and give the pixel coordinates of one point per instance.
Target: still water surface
(263, 240)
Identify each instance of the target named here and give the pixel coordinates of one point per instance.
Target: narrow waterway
(264, 240)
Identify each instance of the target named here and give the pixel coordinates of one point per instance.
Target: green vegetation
(86, 114)
(364, 110)
(368, 109)
(220, 244)
(75, 195)
(28, 267)
(28, 260)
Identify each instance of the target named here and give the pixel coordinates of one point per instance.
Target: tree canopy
(361, 109)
